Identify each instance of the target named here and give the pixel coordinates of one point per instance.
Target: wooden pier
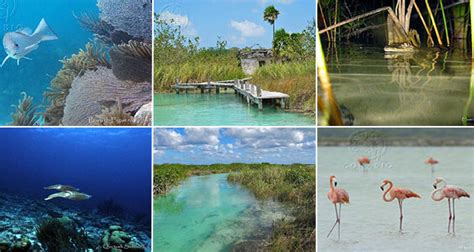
(251, 93)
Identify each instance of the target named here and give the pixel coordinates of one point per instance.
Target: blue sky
(229, 145)
(239, 22)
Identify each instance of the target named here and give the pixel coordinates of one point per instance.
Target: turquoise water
(206, 213)
(33, 77)
(225, 109)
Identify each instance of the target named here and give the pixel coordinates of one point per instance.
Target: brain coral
(94, 90)
(131, 16)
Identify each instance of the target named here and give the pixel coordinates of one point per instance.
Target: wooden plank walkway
(253, 94)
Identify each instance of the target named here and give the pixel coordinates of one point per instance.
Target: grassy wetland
(292, 186)
(395, 63)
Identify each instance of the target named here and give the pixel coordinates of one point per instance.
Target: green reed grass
(296, 79)
(294, 185)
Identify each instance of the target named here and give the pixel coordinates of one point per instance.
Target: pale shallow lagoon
(370, 224)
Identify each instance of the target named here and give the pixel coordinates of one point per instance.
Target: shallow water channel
(207, 213)
(422, 88)
(370, 224)
(224, 109)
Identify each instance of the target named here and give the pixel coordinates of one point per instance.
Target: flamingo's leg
(450, 216)
(339, 225)
(454, 217)
(335, 223)
(401, 214)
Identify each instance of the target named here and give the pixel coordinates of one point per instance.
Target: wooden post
(260, 104)
(202, 90)
(217, 90)
(282, 103)
(177, 86)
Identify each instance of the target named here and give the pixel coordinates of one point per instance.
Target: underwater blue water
(107, 163)
(33, 77)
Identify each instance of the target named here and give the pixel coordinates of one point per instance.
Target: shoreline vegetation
(395, 137)
(289, 184)
(292, 71)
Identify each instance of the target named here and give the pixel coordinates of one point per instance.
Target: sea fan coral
(100, 88)
(132, 61)
(25, 112)
(74, 66)
(131, 16)
(113, 116)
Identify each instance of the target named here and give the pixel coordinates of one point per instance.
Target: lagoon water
(33, 76)
(206, 213)
(370, 224)
(423, 88)
(225, 109)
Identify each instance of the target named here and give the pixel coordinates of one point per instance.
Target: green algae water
(206, 213)
(225, 109)
(428, 88)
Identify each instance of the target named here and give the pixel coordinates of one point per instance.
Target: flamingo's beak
(381, 188)
(335, 183)
(434, 186)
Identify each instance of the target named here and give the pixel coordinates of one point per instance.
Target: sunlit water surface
(423, 88)
(225, 109)
(370, 224)
(206, 213)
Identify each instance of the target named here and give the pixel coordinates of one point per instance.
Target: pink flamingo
(431, 161)
(397, 193)
(337, 196)
(449, 192)
(363, 161)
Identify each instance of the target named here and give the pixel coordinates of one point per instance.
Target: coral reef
(101, 29)
(133, 17)
(25, 112)
(24, 221)
(74, 66)
(144, 116)
(61, 234)
(100, 88)
(117, 240)
(132, 61)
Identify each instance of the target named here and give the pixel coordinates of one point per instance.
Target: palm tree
(271, 15)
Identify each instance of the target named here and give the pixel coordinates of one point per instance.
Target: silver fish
(71, 195)
(20, 43)
(62, 188)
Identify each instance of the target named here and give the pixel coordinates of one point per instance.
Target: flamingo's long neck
(440, 197)
(331, 186)
(390, 185)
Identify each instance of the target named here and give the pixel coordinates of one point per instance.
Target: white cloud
(202, 136)
(166, 137)
(247, 28)
(182, 21)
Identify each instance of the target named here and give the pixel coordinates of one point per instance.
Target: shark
(20, 43)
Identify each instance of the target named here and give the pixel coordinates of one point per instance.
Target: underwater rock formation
(21, 217)
(74, 66)
(62, 234)
(144, 115)
(117, 240)
(132, 61)
(25, 113)
(94, 90)
(133, 17)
